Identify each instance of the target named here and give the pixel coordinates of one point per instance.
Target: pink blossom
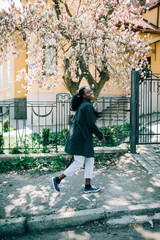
(86, 34)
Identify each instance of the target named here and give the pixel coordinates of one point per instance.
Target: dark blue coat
(79, 140)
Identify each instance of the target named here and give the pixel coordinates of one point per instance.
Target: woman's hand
(103, 140)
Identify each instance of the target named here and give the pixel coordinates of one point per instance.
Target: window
(1, 77)
(8, 74)
(149, 61)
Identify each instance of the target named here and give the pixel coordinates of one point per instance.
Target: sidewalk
(128, 193)
(149, 159)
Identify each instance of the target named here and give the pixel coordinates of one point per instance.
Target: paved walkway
(149, 157)
(128, 193)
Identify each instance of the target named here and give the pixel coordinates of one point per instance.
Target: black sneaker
(55, 184)
(92, 189)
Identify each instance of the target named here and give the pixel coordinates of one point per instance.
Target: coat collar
(86, 100)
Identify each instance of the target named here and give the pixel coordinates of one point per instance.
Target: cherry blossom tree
(92, 39)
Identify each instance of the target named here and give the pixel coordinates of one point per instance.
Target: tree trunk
(95, 86)
(69, 83)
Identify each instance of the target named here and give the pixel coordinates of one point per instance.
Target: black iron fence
(44, 126)
(145, 108)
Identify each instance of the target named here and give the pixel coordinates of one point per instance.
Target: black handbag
(70, 161)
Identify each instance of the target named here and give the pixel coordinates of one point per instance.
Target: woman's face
(88, 93)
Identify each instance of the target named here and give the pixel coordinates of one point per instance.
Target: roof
(145, 26)
(153, 5)
(154, 40)
(149, 26)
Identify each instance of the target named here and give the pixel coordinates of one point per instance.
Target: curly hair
(77, 99)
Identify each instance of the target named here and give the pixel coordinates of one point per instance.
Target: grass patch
(34, 165)
(106, 160)
(56, 164)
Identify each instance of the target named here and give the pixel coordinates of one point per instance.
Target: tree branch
(79, 6)
(67, 9)
(57, 8)
(69, 84)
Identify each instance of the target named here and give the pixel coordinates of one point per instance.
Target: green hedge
(114, 135)
(56, 164)
(21, 163)
(43, 141)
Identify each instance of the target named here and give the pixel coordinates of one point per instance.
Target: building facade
(11, 90)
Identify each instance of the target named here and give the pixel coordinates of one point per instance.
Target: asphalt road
(96, 230)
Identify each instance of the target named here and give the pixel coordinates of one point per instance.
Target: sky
(5, 4)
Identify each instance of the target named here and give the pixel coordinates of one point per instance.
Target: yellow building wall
(155, 57)
(7, 91)
(151, 16)
(19, 63)
(16, 91)
(155, 51)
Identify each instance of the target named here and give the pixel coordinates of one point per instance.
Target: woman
(79, 141)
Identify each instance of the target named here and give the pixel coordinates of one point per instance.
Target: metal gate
(145, 108)
(28, 125)
(31, 127)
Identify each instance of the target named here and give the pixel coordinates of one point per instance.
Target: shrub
(45, 150)
(45, 136)
(22, 163)
(58, 163)
(62, 136)
(1, 144)
(36, 137)
(114, 135)
(1, 141)
(6, 125)
(15, 150)
(1, 151)
(52, 137)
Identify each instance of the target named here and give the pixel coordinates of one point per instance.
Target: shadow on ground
(127, 183)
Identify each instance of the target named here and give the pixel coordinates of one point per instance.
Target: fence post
(134, 110)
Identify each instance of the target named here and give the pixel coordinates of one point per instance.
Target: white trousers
(78, 163)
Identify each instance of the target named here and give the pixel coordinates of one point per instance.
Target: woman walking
(79, 141)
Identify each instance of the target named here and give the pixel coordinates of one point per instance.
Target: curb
(65, 219)
(115, 216)
(129, 220)
(12, 226)
(38, 223)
